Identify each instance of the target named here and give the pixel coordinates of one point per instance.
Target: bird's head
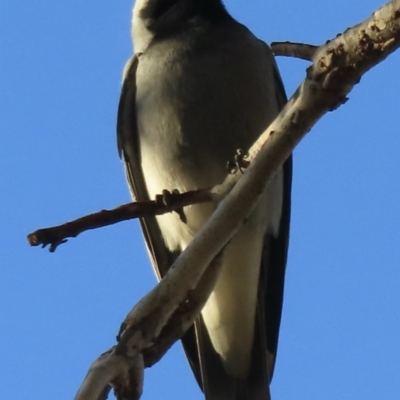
(152, 17)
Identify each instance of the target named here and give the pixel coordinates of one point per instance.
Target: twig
(291, 49)
(57, 235)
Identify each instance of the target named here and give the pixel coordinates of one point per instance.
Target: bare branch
(291, 49)
(351, 54)
(57, 235)
(116, 370)
(184, 316)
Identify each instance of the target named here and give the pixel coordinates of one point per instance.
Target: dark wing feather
(273, 267)
(128, 146)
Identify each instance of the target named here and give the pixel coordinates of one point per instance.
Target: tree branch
(57, 235)
(291, 49)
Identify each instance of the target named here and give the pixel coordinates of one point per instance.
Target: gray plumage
(204, 87)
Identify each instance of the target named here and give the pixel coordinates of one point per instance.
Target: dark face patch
(167, 16)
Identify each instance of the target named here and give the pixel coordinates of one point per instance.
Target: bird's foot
(167, 198)
(239, 163)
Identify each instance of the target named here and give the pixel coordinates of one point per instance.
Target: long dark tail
(218, 385)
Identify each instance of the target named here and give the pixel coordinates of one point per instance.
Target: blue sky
(60, 73)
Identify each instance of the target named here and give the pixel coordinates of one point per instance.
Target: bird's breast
(193, 113)
(195, 107)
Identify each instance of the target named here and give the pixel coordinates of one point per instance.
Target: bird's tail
(217, 384)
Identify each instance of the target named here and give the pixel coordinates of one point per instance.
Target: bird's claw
(166, 199)
(240, 162)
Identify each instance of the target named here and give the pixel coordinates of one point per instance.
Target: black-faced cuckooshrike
(204, 87)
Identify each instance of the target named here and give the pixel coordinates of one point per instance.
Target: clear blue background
(60, 73)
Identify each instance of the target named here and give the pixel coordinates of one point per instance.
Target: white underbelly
(229, 314)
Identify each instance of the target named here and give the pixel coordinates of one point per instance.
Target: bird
(200, 86)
